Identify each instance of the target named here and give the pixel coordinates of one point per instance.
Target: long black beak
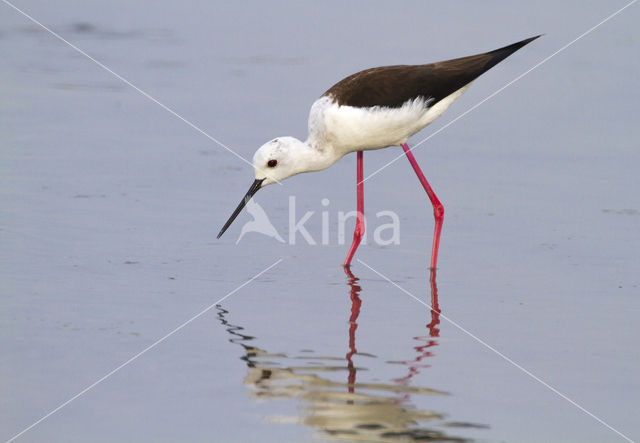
(257, 184)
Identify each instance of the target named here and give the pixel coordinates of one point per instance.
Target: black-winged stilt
(373, 109)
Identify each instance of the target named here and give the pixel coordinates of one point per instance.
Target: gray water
(109, 208)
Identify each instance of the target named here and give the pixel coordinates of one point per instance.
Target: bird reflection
(375, 412)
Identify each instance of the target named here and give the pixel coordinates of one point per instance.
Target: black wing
(392, 86)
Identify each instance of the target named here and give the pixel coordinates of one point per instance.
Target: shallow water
(110, 206)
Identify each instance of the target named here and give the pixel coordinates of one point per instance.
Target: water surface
(110, 206)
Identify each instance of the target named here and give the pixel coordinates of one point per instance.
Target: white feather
(346, 128)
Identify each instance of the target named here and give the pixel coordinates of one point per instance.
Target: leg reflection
(356, 302)
(435, 308)
(426, 350)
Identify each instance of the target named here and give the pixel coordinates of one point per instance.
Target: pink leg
(438, 209)
(359, 231)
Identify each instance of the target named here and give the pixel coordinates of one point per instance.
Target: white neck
(316, 155)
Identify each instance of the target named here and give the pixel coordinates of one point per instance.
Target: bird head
(277, 160)
(273, 162)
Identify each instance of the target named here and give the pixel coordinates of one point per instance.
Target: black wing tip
(500, 54)
(526, 41)
(510, 49)
(530, 39)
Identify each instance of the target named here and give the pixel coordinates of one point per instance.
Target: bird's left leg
(438, 209)
(359, 231)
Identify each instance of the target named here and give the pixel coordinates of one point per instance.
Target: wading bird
(373, 109)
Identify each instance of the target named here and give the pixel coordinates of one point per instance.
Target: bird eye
(272, 163)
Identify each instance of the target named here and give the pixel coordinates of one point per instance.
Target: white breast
(347, 128)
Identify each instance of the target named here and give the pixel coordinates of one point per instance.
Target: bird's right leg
(359, 231)
(438, 209)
